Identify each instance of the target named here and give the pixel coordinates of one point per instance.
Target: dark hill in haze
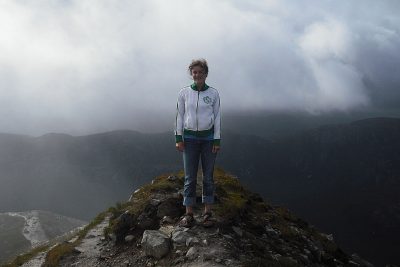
(344, 178)
(78, 176)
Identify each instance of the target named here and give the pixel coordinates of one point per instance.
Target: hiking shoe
(187, 220)
(206, 220)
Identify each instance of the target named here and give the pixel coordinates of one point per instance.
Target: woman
(197, 132)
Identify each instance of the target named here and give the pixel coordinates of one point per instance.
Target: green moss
(230, 205)
(233, 198)
(118, 209)
(54, 256)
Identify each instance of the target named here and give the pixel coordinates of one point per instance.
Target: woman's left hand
(215, 149)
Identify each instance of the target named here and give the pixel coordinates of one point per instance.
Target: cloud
(327, 48)
(81, 66)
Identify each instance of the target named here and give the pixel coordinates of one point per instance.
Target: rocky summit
(246, 231)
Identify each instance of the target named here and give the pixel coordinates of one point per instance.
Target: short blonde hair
(201, 62)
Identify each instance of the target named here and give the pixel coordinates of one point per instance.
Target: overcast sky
(86, 66)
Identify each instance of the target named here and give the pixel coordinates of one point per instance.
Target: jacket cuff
(217, 142)
(178, 138)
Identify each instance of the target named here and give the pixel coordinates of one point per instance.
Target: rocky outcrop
(246, 232)
(155, 243)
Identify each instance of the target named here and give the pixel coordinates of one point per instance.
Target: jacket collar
(194, 87)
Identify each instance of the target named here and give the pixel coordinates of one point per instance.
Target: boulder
(123, 224)
(129, 238)
(171, 207)
(148, 220)
(180, 237)
(155, 243)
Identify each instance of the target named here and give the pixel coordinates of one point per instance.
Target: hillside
(247, 232)
(344, 178)
(82, 174)
(21, 231)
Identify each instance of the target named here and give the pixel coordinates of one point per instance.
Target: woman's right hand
(180, 146)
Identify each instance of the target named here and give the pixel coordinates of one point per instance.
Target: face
(198, 75)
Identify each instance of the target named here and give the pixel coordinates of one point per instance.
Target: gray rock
(360, 261)
(192, 241)
(180, 237)
(287, 261)
(172, 178)
(129, 238)
(192, 253)
(167, 230)
(238, 231)
(137, 191)
(167, 220)
(73, 239)
(155, 202)
(171, 207)
(147, 220)
(124, 222)
(271, 231)
(113, 237)
(78, 250)
(155, 243)
(229, 262)
(328, 236)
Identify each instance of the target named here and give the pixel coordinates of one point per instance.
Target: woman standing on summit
(198, 135)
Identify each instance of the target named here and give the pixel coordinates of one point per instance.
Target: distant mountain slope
(20, 231)
(344, 178)
(79, 176)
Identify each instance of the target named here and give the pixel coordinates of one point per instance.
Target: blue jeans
(195, 150)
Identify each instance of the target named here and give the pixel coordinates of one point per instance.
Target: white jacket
(198, 112)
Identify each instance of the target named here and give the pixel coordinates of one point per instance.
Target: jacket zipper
(197, 107)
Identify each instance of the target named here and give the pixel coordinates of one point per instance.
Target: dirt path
(37, 261)
(88, 252)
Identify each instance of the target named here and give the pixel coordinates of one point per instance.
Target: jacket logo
(207, 99)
